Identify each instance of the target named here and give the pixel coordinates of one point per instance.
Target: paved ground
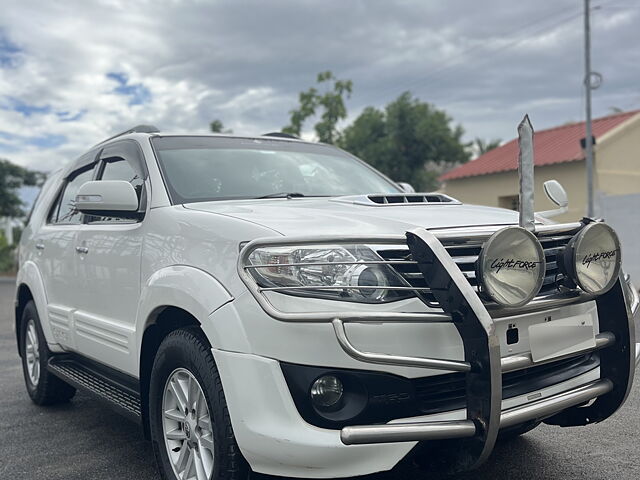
(84, 440)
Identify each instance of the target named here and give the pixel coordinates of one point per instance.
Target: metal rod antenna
(587, 85)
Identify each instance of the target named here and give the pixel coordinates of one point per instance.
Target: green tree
(217, 126)
(7, 261)
(12, 178)
(331, 102)
(410, 141)
(480, 146)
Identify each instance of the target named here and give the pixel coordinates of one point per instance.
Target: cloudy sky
(74, 72)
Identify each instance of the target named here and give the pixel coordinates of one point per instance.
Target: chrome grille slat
(465, 254)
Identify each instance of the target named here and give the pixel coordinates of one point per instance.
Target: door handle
(40, 246)
(82, 250)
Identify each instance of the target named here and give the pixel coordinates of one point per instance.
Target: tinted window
(208, 168)
(65, 211)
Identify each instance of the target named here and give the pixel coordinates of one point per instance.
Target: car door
(55, 244)
(108, 283)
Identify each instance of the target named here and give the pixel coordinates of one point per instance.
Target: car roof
(141, 136)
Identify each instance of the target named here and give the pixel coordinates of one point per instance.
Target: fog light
(326, 391)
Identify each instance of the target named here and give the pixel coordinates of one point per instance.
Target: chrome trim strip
(306, 264)
(637, 354)
(539, 304)
(368, 434)
(385, 359)
(517, 362)
(341, 287)
(472, 234)
(552, 405)
(412, 432)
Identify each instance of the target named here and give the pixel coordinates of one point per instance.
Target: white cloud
(245, 61)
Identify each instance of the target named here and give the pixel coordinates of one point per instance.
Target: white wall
(622, 212)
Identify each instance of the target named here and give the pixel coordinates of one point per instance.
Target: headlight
(511, 267)
(592, 258)
(338, 272)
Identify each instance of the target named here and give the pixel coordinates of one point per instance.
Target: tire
(516, 431)
(184, 356)
(43, 387)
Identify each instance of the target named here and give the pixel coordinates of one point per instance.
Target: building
(492, 178)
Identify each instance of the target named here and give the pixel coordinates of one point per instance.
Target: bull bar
(482, 365)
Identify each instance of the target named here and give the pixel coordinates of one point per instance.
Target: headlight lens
(592, 258)
(338, 272)
(511, 267)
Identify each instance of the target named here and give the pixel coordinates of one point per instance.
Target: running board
(116, 389)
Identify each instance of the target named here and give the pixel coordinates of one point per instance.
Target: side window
(119, 169)
(64, 210)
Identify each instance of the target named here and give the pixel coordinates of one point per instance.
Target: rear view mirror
(115, 198)
(556, 193)
(406, 187)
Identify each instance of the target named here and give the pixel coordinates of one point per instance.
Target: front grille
(447, 392)
(466, 255)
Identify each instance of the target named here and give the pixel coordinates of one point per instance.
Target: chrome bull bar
(482, 364)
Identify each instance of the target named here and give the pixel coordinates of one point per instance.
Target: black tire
(516, 431)
(48, 389)
(189, 349)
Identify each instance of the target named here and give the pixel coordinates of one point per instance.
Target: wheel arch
(23, 296)
(30, 286)
(165, 320)
(174, 297)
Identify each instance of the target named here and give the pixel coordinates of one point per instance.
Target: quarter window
(64, 211)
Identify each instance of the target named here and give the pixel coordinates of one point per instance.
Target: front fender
(184, 287)
(30, 276)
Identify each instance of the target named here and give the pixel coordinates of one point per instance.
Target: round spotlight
(326, 391)
(593, 259)
(511, 267)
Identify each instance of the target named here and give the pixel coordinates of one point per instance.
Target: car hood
(335, 216)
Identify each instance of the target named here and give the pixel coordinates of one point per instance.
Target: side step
(117, 390)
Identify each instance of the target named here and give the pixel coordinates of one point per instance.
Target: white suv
(277, 305)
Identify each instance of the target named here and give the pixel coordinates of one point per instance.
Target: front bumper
(275, 439)
(482, 366)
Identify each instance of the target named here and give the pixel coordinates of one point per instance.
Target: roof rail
(136, 129)
(280, 135)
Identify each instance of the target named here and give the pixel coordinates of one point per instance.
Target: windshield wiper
(283, 195)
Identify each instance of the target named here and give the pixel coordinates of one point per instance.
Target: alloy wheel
(187, 429)
(32, 352)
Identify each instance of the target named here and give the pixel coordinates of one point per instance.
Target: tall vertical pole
(587, 85)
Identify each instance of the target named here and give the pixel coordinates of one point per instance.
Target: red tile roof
(554, 145)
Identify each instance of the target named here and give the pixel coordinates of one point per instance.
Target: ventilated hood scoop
(396, 199)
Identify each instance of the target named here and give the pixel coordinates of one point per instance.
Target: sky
(75, 72)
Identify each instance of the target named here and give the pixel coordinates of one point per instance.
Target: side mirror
(556, 193)
(406, 187)
(113, 198)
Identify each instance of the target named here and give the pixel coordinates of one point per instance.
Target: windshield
(198, 169)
